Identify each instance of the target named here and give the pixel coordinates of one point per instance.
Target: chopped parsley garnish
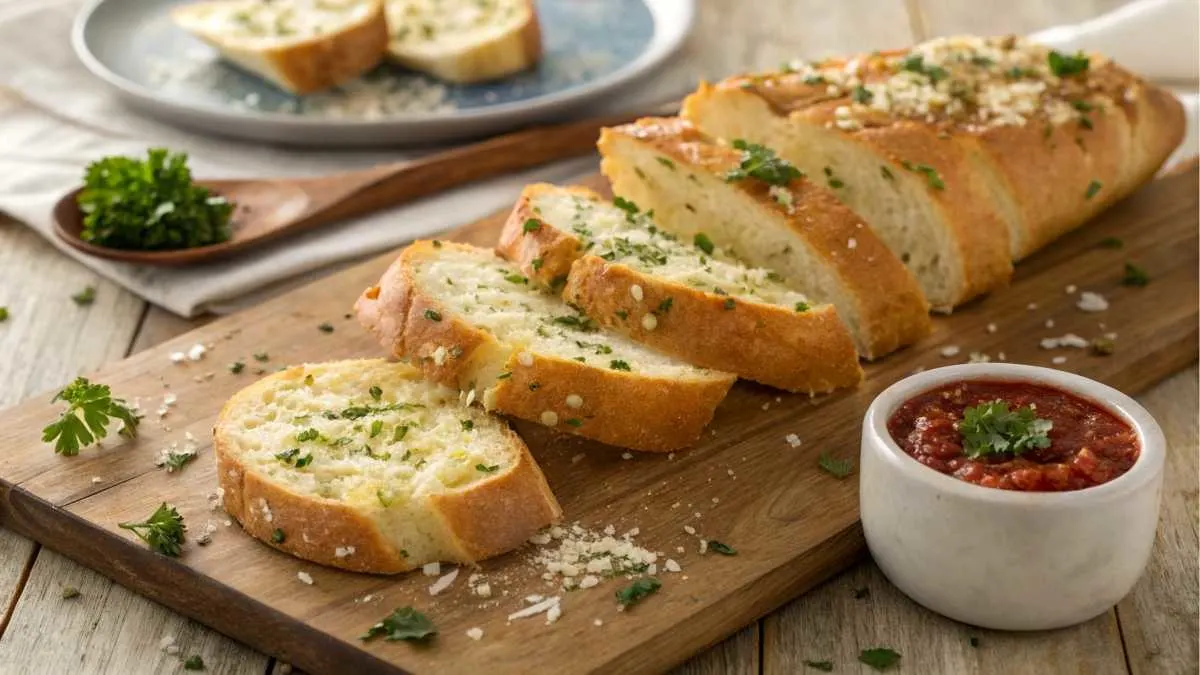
(376, 428)
(467, 425)
(174, 461)
(802, 307)
(3, 314)
(288, 456)
(1082, 106)
(666, 162)
(723, 549)
(278, 536)
(627, 206)
(262, 356)
(762, 163)
(1017, 73)
(85, 297)
(70, 593)
(915, 63)
(618, 364)
(400, 432)
(665, 306)
(194, 662)
(823, 666)
(150, 205)
(703, 243)
(90, 407)
(638, 591)
(237, 367)
(991, 429)
(304, 461)
(309, 379)
(536, 264)
(579, 322)
(861, 94)
(575, 422)
(404, 623)
(163, 531)
(385, 500)
(1103, 346)
(309, 434)
(325, 327)
(838, 468)
(531, 225)
(1092, 188)
(862, 593)
(879, 658)
(433, 315)
(1065, 65)
(1134, 276)
(484, 468)
(375, 392)
(515, 279)
(1085, 122)
(973, 641)
(1111, 242)
(930, 173)
(886, 172)
(729, 303)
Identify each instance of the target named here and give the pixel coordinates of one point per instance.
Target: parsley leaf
(638, 591)
(838, 468)
(3, 314)
(85, 297)
(433, 315)
(861, 94)
(531, 225)
(194, 662)
(627, 206)
(879, 658)
(991, 428)
(278, 536)
(150, 204)
(1092, 188)
(823, 666)
(404, 623)
(174, 461)
(163, 531)
(618, 364)
(723, 549)
(484, 468)
(761, 162)
(1065, 65)
(1111, 242)
(85, 421)
(1134, 276)
(915, 63)
(703, 243)
(1103, 346)
(931, 175)
(376, 392)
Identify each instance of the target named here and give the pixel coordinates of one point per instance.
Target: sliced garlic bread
(472, 320)
(797, 228)
(964, 153)
(464, 41)
(301, 46)
(686, 298)
(365, 466)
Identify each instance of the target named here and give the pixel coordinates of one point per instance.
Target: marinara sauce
(1088, 444)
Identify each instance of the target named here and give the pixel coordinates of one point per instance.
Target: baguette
(963, 153)
(688, 300)
(397, 472)
(471, 320)
(301, 46)
(464, 41)
(821, 247)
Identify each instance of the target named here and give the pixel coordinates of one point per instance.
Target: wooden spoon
(271, 208)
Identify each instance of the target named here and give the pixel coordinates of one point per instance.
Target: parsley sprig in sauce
(992, 429)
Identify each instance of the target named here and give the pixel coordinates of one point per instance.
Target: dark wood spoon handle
(352, 194)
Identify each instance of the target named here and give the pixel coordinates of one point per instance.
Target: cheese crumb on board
(443, 582)
(1058, 360)
(792, 440)
(582, 553)
(538, 608)
(431, 569)
(305, 577)
(950, 351)
(475, 633)
(1092, 302)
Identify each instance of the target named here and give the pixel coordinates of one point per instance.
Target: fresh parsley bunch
(991, 428)
(90, 407)
(150, 205)
(762, 163)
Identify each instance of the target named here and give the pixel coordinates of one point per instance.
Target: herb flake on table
(1111, 242)
(838, 468)
(90, 407)
(637, 591)
(85, 297)
(70, 593)
(992, 428)
(325, 327)
(723, 549)
(1134, 276)
(762, 163)
(1092, 189)
(823, 666)
(862, 593)
(150, 205)
(194, 662)
(405, 623)
(174, 461)
(3, 314)
(879, 658)
(162, 532)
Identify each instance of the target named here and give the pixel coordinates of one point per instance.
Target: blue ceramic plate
(591, 47)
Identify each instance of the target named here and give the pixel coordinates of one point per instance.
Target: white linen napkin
(57, 117)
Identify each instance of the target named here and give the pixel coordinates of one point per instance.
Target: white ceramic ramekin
(999, 558)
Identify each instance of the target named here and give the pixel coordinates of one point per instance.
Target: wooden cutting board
(745, 485)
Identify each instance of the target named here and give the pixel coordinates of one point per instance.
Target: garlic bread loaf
(683, 297)
(963, 153)
(464, 41)
(752, 204)
(471, 320)
(365, 466)
(301, 46)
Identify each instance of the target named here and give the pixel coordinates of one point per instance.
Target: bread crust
(491, 517)
(807, 351)
(670, 413)
(892, 311)
(499, 56)
(314, 63)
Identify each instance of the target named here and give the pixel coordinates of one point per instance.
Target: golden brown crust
(670, 413)
(544, 254)
(808, 351)
(891, 309)
(483, 520)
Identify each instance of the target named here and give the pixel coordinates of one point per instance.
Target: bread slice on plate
(964, 153)
(365, 466)
(301, 46)
(681, 296)
(464, 41)
(471, 320)
(823, 249)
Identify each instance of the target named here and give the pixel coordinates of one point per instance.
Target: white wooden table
(108, 629)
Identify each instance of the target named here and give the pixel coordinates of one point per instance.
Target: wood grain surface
(794, 529)
(43, 346)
